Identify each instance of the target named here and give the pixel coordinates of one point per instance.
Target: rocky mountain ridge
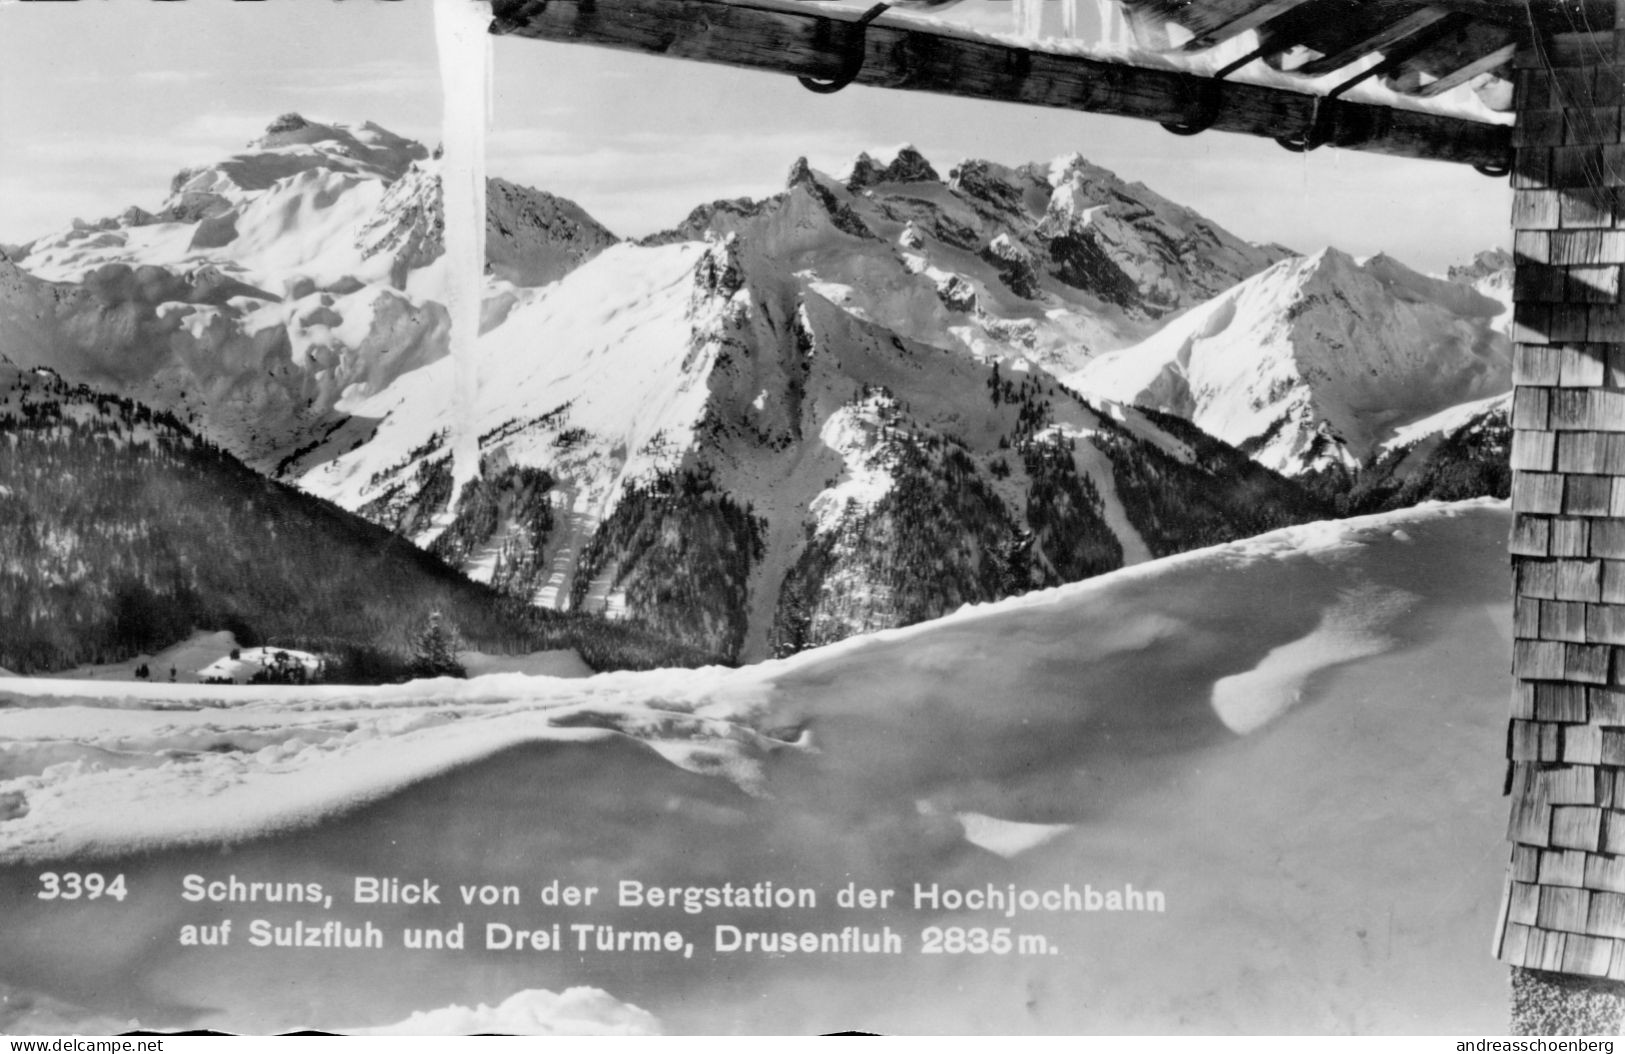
(843, 407)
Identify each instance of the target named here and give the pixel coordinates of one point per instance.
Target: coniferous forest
(122, 532)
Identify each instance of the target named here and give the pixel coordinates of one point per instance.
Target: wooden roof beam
(1381, 40)
(888, 53)
(1462, 74)
(1250, 18)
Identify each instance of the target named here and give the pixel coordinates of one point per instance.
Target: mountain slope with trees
(122, 532)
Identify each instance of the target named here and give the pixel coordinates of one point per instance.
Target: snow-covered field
(1296, 739)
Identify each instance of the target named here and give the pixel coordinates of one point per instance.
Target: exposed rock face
(909, 166)
(1062, 261)
(532, 237)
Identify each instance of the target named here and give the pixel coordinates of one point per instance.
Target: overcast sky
(102, 101)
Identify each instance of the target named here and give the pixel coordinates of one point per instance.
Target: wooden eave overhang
(1310, 51)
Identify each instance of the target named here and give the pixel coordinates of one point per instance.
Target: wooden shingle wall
(1564, 908)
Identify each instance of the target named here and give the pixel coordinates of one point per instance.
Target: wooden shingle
(1576, 827)
(1586, 662)
(1533, 245)
(1584, 365)
(1536, 210)
(1616, 363)
(1563, 909)
(1571, 537)
(1531, 535)
(1561, 867)
(1582, 744)
(1523, 742)
(1616, 967)
(1607, 918)
(1537, 492)
(1567, 248)
(1564, 620)
(1587, 495)
(1577, 579)
(1605, 872)
(1587, 955)
(1514, 944)
(1538, 364)
(1537, 451)
(1586, 409)
(1545, 950)
(1525, 865)
(1529, 820)
(1537, 660)
(1523, 903)
(1605, 623)
(1605, 705)
(1531, 407)
(1574, 785)
(1526, 618)
(1523, 703)
(1613, 581)
(1560, 701)
(1607, 538)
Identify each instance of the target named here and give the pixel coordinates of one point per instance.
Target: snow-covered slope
(753, 455)
(1464, 451)
(1165, 726)
(1447, 421)
(1319, 360)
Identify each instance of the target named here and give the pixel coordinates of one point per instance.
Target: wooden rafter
(890, 53)
(1211, 33)
(1384, 37)
(1464, 73)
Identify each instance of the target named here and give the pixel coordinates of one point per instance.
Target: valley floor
(1297, 740)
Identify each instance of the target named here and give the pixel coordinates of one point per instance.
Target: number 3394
(71, 885)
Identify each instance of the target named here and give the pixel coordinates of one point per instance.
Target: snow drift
(1329, 850)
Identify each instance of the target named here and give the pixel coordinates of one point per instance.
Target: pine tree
(434, 653)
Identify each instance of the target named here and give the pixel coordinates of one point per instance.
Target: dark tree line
(682, 550)
(122, 533)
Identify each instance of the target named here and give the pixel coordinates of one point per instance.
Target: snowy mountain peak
(1074, 166)
(288, 128)
(291, 145)
(365, 142)
(1485, 264)
(988, 181)
(1317, 361)
(298, 273)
